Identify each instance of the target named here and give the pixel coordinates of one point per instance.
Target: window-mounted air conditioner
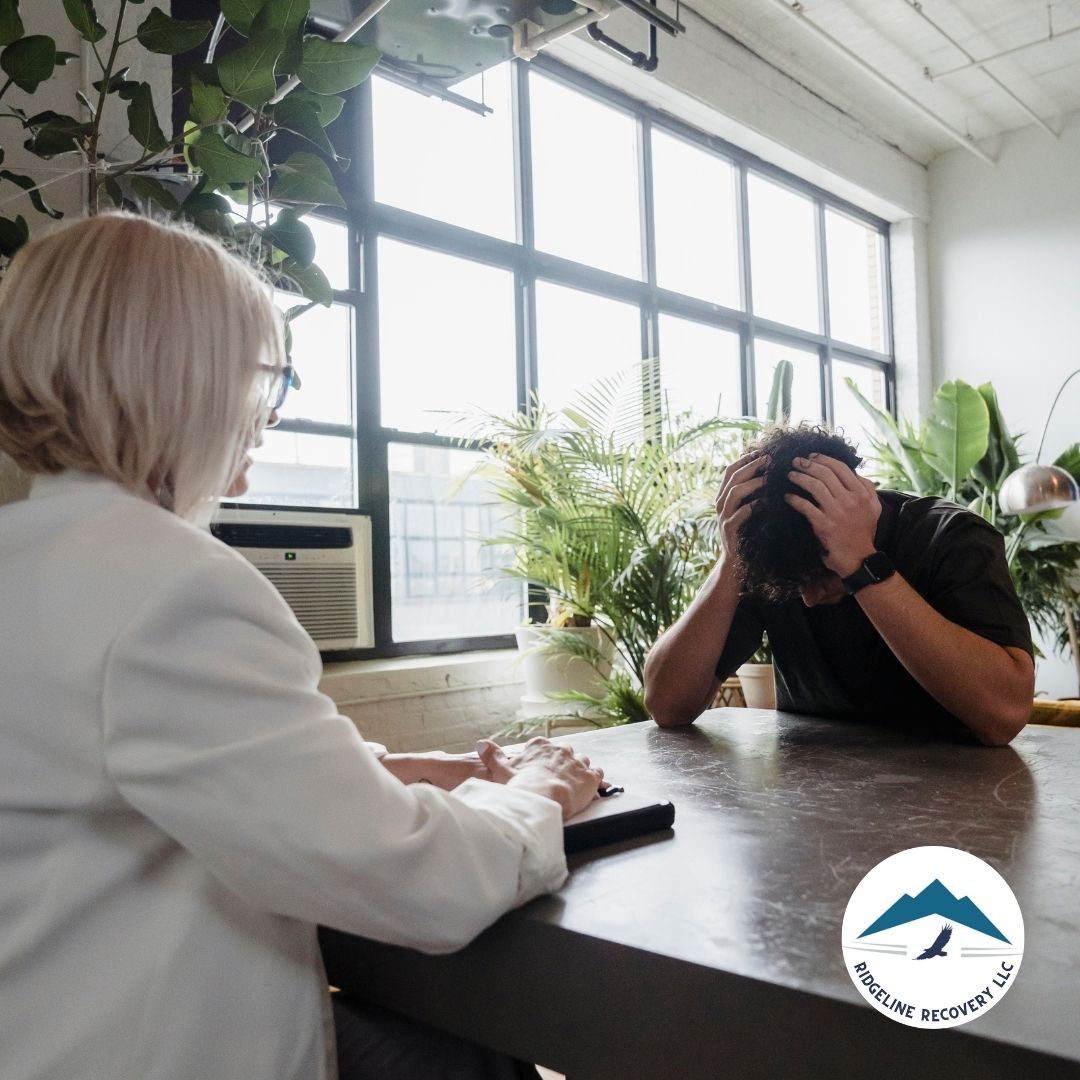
(319, 561)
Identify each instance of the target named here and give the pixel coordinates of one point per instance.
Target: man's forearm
(680, 671)
(984, 685)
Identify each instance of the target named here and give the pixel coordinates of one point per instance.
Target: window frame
(368, 220)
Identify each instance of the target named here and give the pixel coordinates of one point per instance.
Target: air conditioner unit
(319, 561)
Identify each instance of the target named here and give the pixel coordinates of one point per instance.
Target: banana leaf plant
(220, 168)
(964, 451)
(613, 518)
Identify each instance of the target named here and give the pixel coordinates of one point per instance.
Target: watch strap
(874, 569)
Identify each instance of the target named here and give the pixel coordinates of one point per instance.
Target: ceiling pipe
(917, 7)
(795, 9)
(934, 76)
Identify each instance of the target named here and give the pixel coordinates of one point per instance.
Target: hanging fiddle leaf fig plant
(263, 77)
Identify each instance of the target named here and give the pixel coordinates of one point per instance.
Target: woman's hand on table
(441, 770)
(546, 768)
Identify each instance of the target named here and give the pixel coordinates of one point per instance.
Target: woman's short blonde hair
(137, 350)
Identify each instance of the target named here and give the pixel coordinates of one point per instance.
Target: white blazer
(179, 806)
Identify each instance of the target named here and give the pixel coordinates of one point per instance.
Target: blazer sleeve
(214, 729)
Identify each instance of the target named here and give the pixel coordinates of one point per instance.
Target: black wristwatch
(875, 568)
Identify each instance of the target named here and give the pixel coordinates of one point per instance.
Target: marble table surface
(714, 948)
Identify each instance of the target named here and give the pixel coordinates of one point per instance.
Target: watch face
(879, 566)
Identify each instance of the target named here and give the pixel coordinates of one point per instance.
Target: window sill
(419, 676)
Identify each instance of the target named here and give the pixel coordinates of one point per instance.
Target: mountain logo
(947, 908)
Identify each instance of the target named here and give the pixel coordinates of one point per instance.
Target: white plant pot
(758, 686)
(547, 674)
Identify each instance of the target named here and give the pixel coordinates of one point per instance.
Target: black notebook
(618, 817)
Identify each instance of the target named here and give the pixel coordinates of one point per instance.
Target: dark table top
(716, 947)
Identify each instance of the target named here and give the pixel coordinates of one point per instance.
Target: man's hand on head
(743, 480)
(843, 510)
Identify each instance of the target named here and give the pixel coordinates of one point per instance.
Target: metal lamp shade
(1037, 487)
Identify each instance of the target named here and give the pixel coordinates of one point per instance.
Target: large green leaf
(895, 442)
(221, 163)
(13, 234)
(142, 120)
(83, 17)
(293, 237)
(51, 134)
(311, 282)
(11, 26)
(778, 410)
(305, 178)
(120, 85)
(957, 432)
(329, 106)
(208, 104)
(1069, 460)
(1001, 457)
(146, 187)
(29, 61)
(332, 67)
(301, 116)
(160, 33)
(29, 184)
(240, 14)
(289, 17)
(247, 73)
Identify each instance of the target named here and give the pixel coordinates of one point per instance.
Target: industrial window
(560, 234)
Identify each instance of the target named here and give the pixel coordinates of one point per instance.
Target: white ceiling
(894, 38)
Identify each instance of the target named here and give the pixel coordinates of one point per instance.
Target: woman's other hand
(546, 768)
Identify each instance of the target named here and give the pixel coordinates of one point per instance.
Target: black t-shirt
(829, 659)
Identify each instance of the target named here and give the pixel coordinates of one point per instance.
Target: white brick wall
(428, 703)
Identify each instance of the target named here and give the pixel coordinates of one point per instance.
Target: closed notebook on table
(617, 817)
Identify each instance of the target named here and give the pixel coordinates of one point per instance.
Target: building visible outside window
(464, 285)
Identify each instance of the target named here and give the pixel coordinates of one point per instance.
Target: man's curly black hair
(776, 546)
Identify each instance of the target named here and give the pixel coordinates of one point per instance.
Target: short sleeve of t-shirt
(743, 639)
(969, 583)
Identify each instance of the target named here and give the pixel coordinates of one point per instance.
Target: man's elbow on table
(1000, 727)
(667, 713)
(999, 718)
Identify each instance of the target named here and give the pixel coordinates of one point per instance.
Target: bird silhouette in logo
(938, 947)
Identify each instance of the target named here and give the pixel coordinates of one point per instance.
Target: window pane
(446, 339)
(848, 415)
(699, 369)
(855, 257)
(302, 470)
(805, 381)
(783, 255)
(443, 161)
(697, 245)
(444, 583)
(581, 338)
(331, 249)
(585, 190)
(322, 355)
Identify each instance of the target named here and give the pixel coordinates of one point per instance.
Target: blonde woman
(179, 805)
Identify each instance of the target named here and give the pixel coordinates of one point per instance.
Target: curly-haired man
(879, 606)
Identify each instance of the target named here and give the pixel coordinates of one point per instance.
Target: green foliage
(613, 520)
(964, 451)
(223, 145)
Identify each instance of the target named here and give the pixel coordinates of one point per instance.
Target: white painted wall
(1004, 267)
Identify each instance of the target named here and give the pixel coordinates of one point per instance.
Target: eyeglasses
(277, 387)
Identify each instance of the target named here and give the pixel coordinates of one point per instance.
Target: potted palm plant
(614, 523)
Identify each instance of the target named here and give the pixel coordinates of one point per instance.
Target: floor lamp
(1044, 487)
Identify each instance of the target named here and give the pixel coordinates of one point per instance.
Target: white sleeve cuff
(532, 821)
